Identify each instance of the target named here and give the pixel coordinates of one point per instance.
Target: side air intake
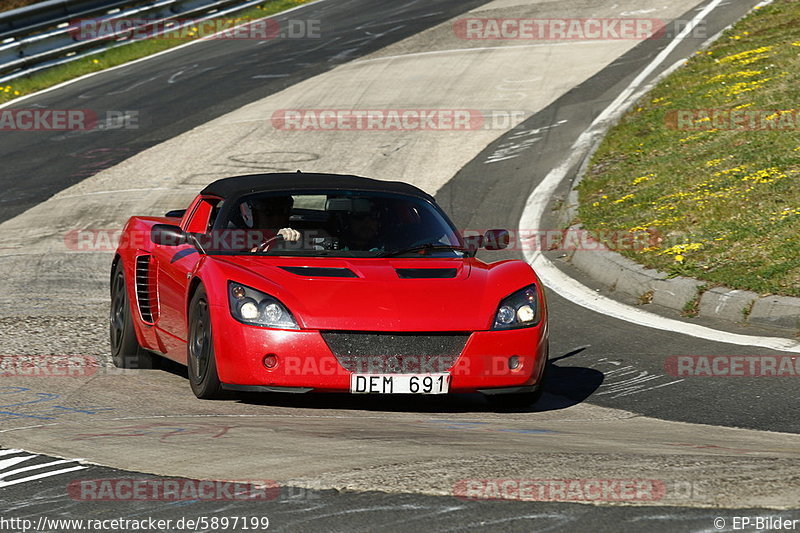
(148, 306)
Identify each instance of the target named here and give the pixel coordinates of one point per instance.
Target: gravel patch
(56, 335)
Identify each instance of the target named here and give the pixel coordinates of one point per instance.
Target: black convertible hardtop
(237, 186)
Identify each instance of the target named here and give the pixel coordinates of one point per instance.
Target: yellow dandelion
(747, 55)
(624, 198)
(680, 249)
(766, 175)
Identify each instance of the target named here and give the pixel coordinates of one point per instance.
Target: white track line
(10, 452)
(578, 293)
(4, 484)
(6, 464)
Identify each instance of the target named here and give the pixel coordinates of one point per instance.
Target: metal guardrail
(43, 15)
(43, 35)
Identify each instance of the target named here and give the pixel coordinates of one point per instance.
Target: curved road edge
(596, 264)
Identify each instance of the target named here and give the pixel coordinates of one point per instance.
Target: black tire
(519, 400)
(201, 361)
(126, 352)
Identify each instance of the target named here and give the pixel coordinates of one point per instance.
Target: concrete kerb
(776, 311)
(624, 276)
(732, 305)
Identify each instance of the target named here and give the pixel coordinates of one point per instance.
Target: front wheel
(202, 363)
(126, 352)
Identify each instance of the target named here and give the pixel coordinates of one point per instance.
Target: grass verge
(710, 162)
(126, 53)
(8, 5)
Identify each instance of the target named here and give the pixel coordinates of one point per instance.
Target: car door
(175, 266)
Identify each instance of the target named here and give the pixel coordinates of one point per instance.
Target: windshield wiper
(429, 247)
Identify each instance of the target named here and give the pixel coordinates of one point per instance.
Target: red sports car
(326, 283)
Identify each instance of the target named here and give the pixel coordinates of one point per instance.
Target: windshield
(333, 224)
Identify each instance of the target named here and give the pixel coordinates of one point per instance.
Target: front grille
(147, 304)
(396, 353)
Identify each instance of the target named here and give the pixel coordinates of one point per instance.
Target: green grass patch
(126, 53)
(8, 5)
(725, 202)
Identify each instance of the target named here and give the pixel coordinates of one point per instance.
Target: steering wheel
(264, 246)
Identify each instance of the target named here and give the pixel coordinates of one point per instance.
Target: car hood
(375, 294)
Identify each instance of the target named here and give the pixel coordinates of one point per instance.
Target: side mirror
(175, 213)
(496, 239)
(167, 235)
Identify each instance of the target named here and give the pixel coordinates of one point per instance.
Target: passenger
(362, 231)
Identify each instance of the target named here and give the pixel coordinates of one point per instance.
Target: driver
(270, 216)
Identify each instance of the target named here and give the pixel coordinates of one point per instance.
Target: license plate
(399, 383)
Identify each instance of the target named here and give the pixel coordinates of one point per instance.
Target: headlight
(254, 307)
(519, 310)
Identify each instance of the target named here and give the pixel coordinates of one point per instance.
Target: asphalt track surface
(297, 510)
(300, 511)
(183, 89)
(588, 349)
(485, 194)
